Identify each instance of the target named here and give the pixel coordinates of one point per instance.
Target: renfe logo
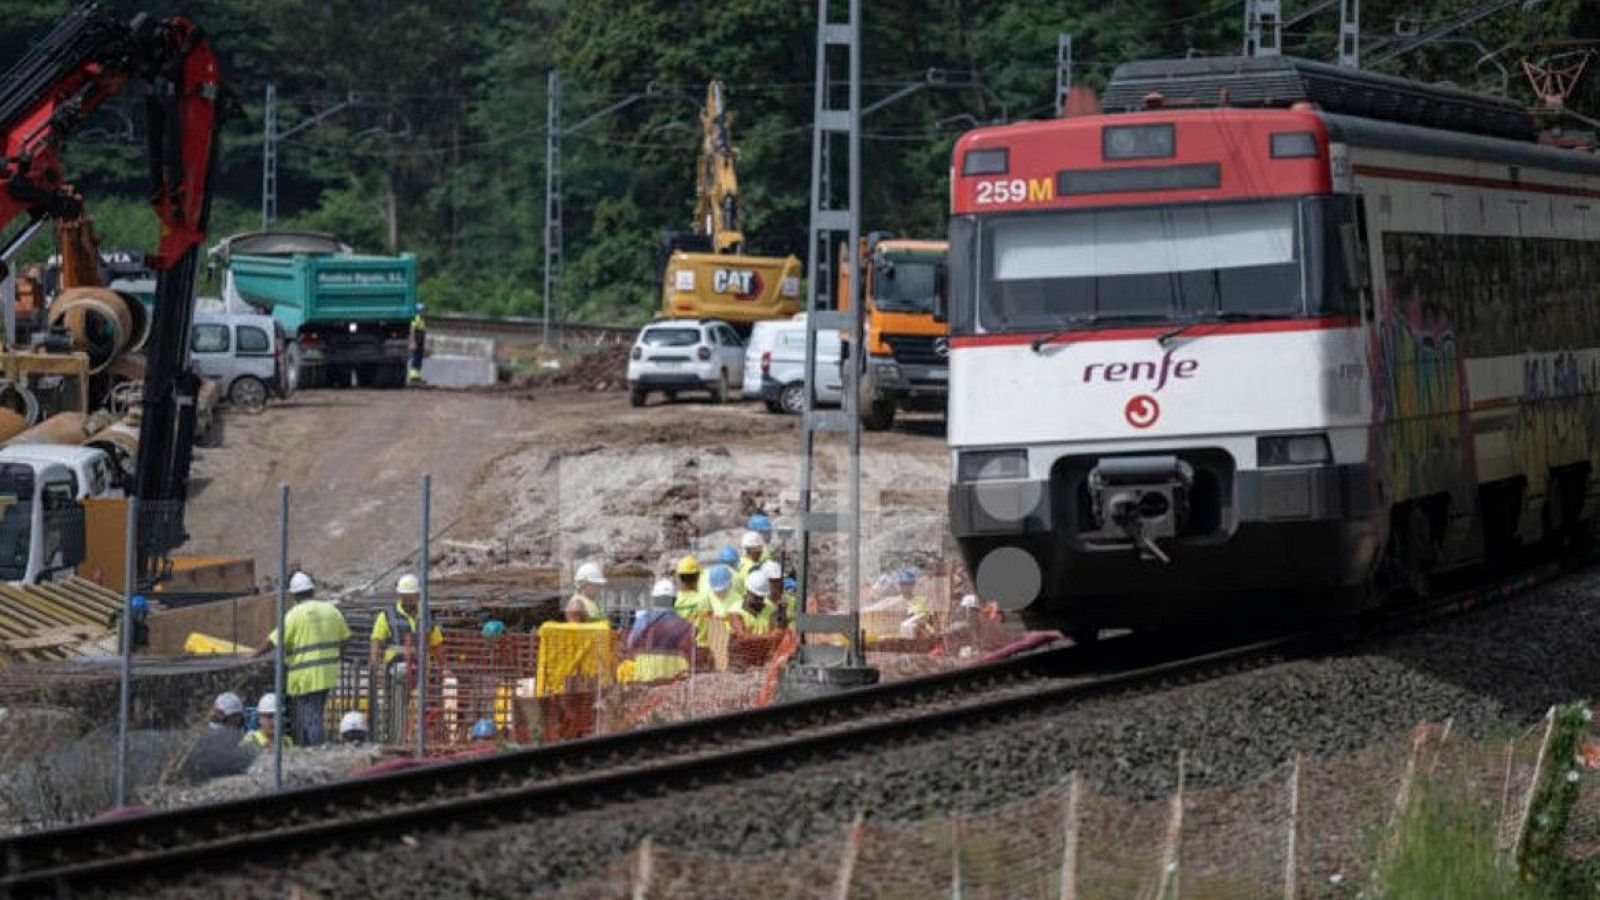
(1160, 373)
(742, 283)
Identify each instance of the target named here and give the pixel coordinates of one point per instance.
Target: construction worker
(687, 602)
(590, 579)
(915, 604)
(419, 346)
(227, 713)
(266, 725)
(718, 601)
(757, 613)
(755, 552)
(353, 728)
(761, 525)
(139, 618)
(314, 630)
(394, 631)
(484, 730)
(661, 641)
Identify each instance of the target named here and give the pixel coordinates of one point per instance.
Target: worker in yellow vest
(266, 725)
(314, 631)
(757, 613)
(717, 602)
(687, 601)
(590, 579)
(394, 631)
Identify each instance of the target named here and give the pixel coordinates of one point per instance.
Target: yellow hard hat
(688, 566)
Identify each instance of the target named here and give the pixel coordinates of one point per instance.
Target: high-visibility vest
(402, 629)
(758, 622)
(711, 607)
(259, 740)
(314, 630)
(591, 610)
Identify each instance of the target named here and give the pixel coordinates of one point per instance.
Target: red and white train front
(1159, 400)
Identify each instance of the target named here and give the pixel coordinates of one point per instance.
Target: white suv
(672, 355)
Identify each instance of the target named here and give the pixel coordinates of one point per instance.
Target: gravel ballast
(1491, 672)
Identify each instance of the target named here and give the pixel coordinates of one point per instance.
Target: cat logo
(744, 284)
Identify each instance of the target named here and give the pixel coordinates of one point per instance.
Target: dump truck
(907, 355)
(708, 274)
(348, 314)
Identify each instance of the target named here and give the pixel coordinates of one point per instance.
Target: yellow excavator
(708, 274)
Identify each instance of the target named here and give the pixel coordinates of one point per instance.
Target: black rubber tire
(792, 398)
(772, 406)
(248, 393)
(638, 396)
(878, 415)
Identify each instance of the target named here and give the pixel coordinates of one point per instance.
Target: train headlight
(1293, 450)
(992, 465)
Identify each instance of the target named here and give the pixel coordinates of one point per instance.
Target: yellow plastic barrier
(197, 644)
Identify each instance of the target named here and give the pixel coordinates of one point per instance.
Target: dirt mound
(602, 369)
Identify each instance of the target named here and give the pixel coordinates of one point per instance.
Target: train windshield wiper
(1078, 323)
(1166, 336)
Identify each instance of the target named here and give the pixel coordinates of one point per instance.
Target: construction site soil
(532, 477)
(1490, 674)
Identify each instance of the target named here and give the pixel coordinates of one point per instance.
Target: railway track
(551, 781)
(524, 328)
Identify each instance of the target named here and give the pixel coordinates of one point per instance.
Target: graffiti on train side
(1556, 421)
(1421, 436)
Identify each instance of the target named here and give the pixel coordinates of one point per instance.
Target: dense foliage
(443, 151)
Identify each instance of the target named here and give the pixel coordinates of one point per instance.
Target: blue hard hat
(790, 584)
(419, 306)
(494, 628)
(483, 730)
(139, 604)
(728, 556)
(759, 522)
(908, 576)
(721, 577)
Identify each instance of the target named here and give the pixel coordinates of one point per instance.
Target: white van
(775, 365)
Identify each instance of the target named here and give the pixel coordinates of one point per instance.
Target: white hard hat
(408, 584)
(352, 721)
(758, 583)
(268, 704)
(751, 541)
(970, 601)
(664, 588)
(229, 704)
(590, 573)
(773, 570)
(301, 583)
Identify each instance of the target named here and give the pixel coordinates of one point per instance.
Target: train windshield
(1110, 267)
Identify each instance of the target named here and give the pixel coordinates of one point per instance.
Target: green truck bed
(302, 289)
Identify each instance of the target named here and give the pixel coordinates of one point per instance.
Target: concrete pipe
(120, 441)
(61, 428)
(11, 424)
(101, 322)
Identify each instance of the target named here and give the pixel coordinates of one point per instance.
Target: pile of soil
(602, 369)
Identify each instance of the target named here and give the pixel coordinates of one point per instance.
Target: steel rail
(631, 765)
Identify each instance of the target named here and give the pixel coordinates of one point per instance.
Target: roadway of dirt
(530, 478)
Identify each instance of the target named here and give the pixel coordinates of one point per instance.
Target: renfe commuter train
(1267, 335)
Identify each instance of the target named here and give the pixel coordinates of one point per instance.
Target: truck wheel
(637, 396)
(307, 377)
(792, 399)
(719, 391)
(248, 393)
(878, 415)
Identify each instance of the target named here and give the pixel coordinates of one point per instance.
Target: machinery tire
(248, 394)
(638, 396)
(719, 391)
(878, 415)
(792, 399)
(308, 377)
(773, 406)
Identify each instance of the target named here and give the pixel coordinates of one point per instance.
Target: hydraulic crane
(45, 96)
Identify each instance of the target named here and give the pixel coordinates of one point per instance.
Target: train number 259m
(1015, 190)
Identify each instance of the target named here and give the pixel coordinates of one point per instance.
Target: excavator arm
(716, 207)
(46, 95)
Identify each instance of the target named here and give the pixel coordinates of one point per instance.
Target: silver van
(246, 354)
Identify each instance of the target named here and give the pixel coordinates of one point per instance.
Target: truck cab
(907, 341)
